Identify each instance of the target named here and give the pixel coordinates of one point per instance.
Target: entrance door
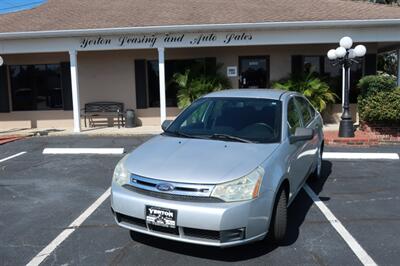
(254, 71)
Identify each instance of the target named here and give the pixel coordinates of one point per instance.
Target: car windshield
(230, 119)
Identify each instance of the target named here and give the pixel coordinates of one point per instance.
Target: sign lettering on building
(166, 40)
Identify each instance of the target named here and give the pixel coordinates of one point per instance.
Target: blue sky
(8, 6)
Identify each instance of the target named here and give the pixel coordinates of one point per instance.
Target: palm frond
(192, 85)
(312, 87)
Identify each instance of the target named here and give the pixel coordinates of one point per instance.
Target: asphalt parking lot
(40, 195)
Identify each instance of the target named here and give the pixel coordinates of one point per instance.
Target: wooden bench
(103, 109)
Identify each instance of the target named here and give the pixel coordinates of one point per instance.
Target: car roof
(248, 93)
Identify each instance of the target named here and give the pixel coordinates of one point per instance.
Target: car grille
(175, 197)
(172, 231)
(130, 220)
(199, 233)
(185, 232)
(175, 190)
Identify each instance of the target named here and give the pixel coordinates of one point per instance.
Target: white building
(63, 54)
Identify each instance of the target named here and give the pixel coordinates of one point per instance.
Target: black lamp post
(345, 56)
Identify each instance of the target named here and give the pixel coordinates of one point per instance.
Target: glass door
(254, 71)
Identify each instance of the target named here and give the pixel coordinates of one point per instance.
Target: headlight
(244, 188)
(121, 174)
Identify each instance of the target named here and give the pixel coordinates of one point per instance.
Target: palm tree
(193, 85)
(312, 87)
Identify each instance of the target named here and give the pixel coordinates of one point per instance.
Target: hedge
(376, 83)
(380, 107)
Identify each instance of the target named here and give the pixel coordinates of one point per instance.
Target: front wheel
(279, 218)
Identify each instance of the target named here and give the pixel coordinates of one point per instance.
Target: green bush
(379, 101)
(376, 83)
(312, 87)
(193, 85)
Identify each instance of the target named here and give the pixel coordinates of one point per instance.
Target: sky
(9, 6)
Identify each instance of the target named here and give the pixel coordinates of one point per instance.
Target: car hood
(196, 161)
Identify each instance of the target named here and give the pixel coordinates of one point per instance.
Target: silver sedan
(224, 172)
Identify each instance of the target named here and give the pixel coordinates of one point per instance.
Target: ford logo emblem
(164, 187)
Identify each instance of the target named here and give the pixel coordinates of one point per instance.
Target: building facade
(51, 70)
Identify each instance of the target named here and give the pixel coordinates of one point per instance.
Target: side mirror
(166, 124)
(301, 134)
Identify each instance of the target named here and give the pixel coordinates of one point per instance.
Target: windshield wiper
(213, 136)
(182, 134)
(229, 137)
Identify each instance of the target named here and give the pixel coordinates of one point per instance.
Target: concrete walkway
(96, 131)
(100, 131)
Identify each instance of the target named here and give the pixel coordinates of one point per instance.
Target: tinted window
(197, 117)
(256, 120)
(36, 87)
(293, 116)
(253, 72)
(312, 64)
(197, 67)
(305, 110)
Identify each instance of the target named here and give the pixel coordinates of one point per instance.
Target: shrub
(193, 85)
(379, 101)
(376, 83)
(312, 87)
(380, 106)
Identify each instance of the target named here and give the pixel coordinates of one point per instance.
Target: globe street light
(345, 56)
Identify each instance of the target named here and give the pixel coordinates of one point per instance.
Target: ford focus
(224, 172)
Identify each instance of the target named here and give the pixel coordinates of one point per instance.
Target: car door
(296, 159)
(310, 147)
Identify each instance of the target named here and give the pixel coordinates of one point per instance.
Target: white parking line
(42, 255)
(360, 155)
(348, 238)
(83, 151)
(12, 156)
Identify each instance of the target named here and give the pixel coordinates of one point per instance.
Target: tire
(317, 174)
(278, 227)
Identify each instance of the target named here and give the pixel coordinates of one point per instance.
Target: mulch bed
(9, 138)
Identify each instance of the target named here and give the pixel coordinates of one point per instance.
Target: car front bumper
(205, 223)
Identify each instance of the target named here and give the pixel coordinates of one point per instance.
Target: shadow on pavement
(301, 205)
(297, 213)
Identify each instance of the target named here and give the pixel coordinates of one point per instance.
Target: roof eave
(203, 27)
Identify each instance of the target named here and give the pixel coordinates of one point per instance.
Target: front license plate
(161, 216)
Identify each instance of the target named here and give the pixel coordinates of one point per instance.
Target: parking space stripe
(360, 155)
(12, 156)
(348, 238)
(42, 255)
(83, 151)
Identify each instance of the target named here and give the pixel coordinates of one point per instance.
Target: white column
(161, 74)
(75, 90)
(343, 85)
(398, 66)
